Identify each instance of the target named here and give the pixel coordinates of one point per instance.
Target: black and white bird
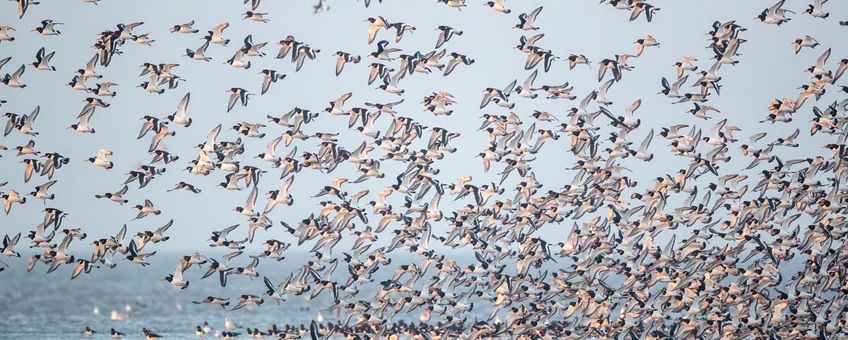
(48, 27)
(270, 76)
(238, 95)
(528, 20)
(42, 60)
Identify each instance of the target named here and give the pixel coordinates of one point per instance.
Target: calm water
(37, 305)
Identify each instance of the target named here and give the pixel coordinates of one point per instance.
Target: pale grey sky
(768, 69)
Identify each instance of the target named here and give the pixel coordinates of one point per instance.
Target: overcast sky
(769, 68)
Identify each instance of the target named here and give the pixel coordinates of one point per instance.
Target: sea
(129, 297)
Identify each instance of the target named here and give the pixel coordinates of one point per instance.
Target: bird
(301, 53)
(184, 28)
(643, 7)
(815, 9)
(376, 24)
(400, 29)
(642, 43)
(344, 58)
(10, 198)
(458, 4)
(146, 209)
(527, 20)
(216, 34)
(87, 331)
(14, 80)
(456, 60)
(255, 16)
(41, 191)
(143, 39)
(100, 159)
(9, 244)
(775, 15)
(223, 302)
(134, 256)
(390, 84)
(806, 41)
(445, 35)
(383, 51)
(238, 95)
(4, 34)
(280, 196)
(180, 116)
(115, 334)
(200, 52)
(149, 335)
(686, 65)
(247, 299)
(270, 76)
(176, 279)
(117, 197)
(48, 27)
(576, 59)
(42, 60)
(498, 6)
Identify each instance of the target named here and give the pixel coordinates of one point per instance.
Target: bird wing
(634, 106)
(19, 72)
(223, 233)
(451, 65)
(757, 136)
(86, 116)
(508, 89)
(266, 83)
(776, 6)
(78, 269)
(251, 199)
(253, 263)
(10, 124)
(119, 237)
(22, 8)
(219, 29)
(487, 98)
(528, 83)
(340, 63)
(442, 39)
(822, 60)
(285, 185)
(532, 16)
(102, 153)
(372, 32)
(39, 55)
(63, 247)
(301, 56)
(272, 146)
(229, 256)
(165, 227)
(182, 107)
(268, 284)
(602, 91)
(46, 186)
(646, 142)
